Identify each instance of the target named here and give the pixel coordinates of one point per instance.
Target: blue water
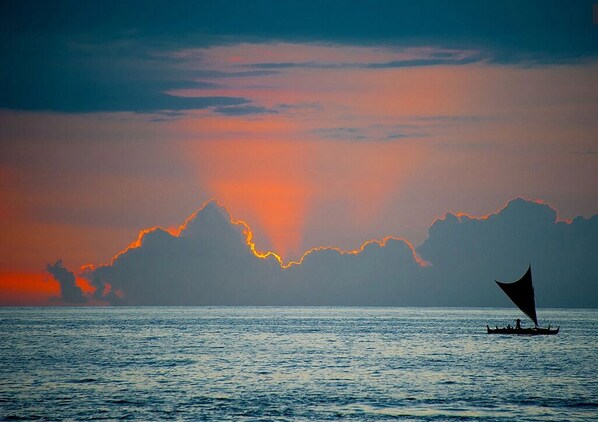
(224, 363)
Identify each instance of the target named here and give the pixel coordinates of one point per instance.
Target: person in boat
(508, 326)
(518, 324)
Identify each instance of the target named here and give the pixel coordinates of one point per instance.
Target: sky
(314, 126)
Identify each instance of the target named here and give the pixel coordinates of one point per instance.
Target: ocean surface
(294, 363)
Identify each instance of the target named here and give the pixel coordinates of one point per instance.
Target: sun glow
(282, 188)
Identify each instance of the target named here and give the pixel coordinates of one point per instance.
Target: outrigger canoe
(523, 331)
(521, 293)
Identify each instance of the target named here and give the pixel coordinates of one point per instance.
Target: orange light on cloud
(135, 244)
(279, 207)
(245, 229)
(263, 181)
(463, 215)
(380, 243)
(85, 286)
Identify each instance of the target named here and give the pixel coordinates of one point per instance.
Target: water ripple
(211, 363)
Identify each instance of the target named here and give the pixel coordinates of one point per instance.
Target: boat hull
(523, 331)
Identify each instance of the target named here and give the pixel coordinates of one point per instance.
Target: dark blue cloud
(465, 251)
(553, 28)
(91, 56)
(211, 263)
(82, 94)
(69, 291)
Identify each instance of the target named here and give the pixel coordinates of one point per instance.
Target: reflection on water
(294, 363)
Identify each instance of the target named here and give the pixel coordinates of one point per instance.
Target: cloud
(341, 133)
(218, 74)
(70, 292)
(393, 64)
(587, 152)
(554, 29)
(212, 260)
(209, 261)
(450, 119)
(82, 99)
(467, 252)
(244, 110)
(64, 57)
(114, 77)
(379, 273)
(373, 132)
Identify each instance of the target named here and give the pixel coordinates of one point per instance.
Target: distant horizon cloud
(69, 291)
(212, 260)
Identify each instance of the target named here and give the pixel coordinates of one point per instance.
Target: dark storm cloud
(69, 291)
(211, 263)
(78, 56)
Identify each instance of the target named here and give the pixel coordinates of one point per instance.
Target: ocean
(294, 363)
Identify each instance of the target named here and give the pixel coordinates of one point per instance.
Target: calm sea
(263, 363)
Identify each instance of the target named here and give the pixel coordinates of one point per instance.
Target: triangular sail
(521, 292)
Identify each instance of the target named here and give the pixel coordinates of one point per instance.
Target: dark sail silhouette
(521, 292)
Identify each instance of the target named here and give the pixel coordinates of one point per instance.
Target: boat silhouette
(521, 293)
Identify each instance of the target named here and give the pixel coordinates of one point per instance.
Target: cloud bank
(212, 260)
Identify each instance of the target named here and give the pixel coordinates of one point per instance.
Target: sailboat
(521, 293)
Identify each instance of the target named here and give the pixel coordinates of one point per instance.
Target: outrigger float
(521, 293)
